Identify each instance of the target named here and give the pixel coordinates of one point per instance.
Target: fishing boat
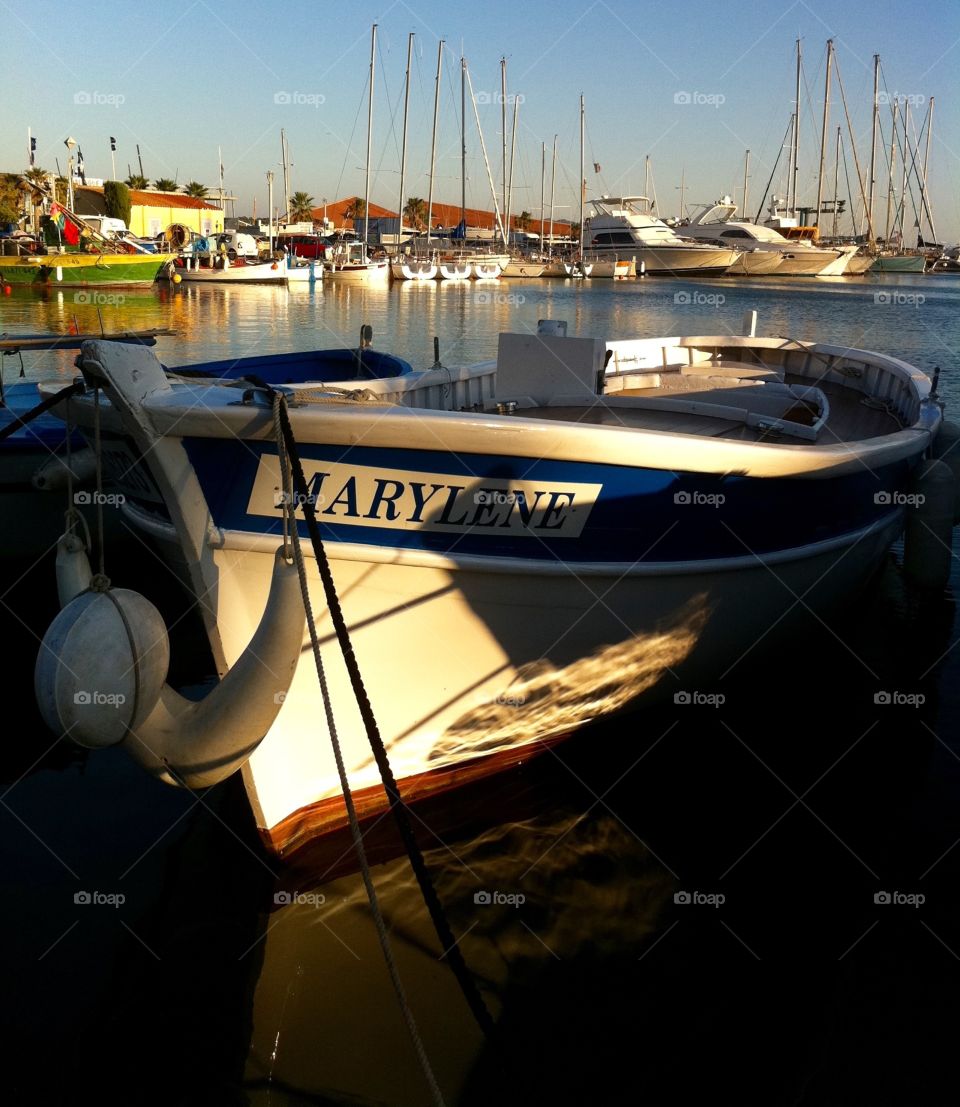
(614, 526)
(220, 270)
(86, 270)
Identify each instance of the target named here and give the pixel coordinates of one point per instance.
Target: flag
(33, 152)
(596, 167)
(83, 176)
(113, 144)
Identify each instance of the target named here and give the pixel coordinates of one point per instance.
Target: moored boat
(83, 270)
(699, 489)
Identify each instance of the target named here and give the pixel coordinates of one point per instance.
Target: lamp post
(270, 206)
(70, 143)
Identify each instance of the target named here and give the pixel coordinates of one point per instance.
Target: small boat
(521, 267)
(300, 272)
(84, 270)
(223, 271)
(413, 269)
(350, 262)
(899, 263)
(698, 485)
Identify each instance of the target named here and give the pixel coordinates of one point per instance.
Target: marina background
(694, 914)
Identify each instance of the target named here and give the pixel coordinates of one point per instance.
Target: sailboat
(351, 261)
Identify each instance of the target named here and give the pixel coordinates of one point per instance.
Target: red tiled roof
(445, 215)
(147, 198)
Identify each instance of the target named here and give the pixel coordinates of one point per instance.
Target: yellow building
(152, 212)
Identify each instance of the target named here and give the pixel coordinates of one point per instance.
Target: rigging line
(348, 149)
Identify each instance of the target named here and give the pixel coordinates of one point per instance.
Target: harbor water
(751, 896)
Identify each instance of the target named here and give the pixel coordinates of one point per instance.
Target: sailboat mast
(582, 186)
(836, 183)
(646, 176)
(403, 154)
(286, 172)
(543, 179)
(746, 178)
(433, 141)
(795, 159)
(513, 154)
(823, 129)
(503, 130)
(902, 206)
(553, 183)
(926, 162)
(486, 161)
(463, 143)
(873, 146)
(893, 156)
(366, 184)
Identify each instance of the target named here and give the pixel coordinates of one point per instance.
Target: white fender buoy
(946, 448)
(101, 678)
(53, 473)
(927, 549)
(102, 664)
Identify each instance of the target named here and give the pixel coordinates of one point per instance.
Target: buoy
(102, 664)
(7, 290)
(946, 448)
(176, 278)
(927, 542)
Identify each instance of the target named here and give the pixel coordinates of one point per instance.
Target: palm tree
(195, 189)
(522, 221)
(356, 211)
(415, 213)
(164, 184)
(136, 180)
(301, 206)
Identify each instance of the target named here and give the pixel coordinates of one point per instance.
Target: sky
(692, 85)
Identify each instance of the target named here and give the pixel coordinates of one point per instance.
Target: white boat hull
(518, 268)
(374, 272)
(265, 272)
(757, 263)
(413, 270)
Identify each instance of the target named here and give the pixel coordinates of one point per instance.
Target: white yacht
(799, 258)
(625, 228)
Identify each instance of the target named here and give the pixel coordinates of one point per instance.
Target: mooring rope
(281, 425)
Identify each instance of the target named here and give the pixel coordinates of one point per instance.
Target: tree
(415, 213)
(164, 184)
(135, 180)
(356, 211)
(195, 189)
(522, 221)
(116, 201)
(11, 191)
(575, 232)
(301, 206)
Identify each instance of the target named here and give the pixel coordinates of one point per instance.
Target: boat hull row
(83, 270)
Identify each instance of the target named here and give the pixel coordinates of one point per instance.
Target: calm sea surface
(752, 902)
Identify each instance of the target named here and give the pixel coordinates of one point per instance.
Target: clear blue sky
(182, 77)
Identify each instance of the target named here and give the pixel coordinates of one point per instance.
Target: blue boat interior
(46, 430)
(303, 366)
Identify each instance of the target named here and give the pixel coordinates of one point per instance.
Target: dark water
(783, 814)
